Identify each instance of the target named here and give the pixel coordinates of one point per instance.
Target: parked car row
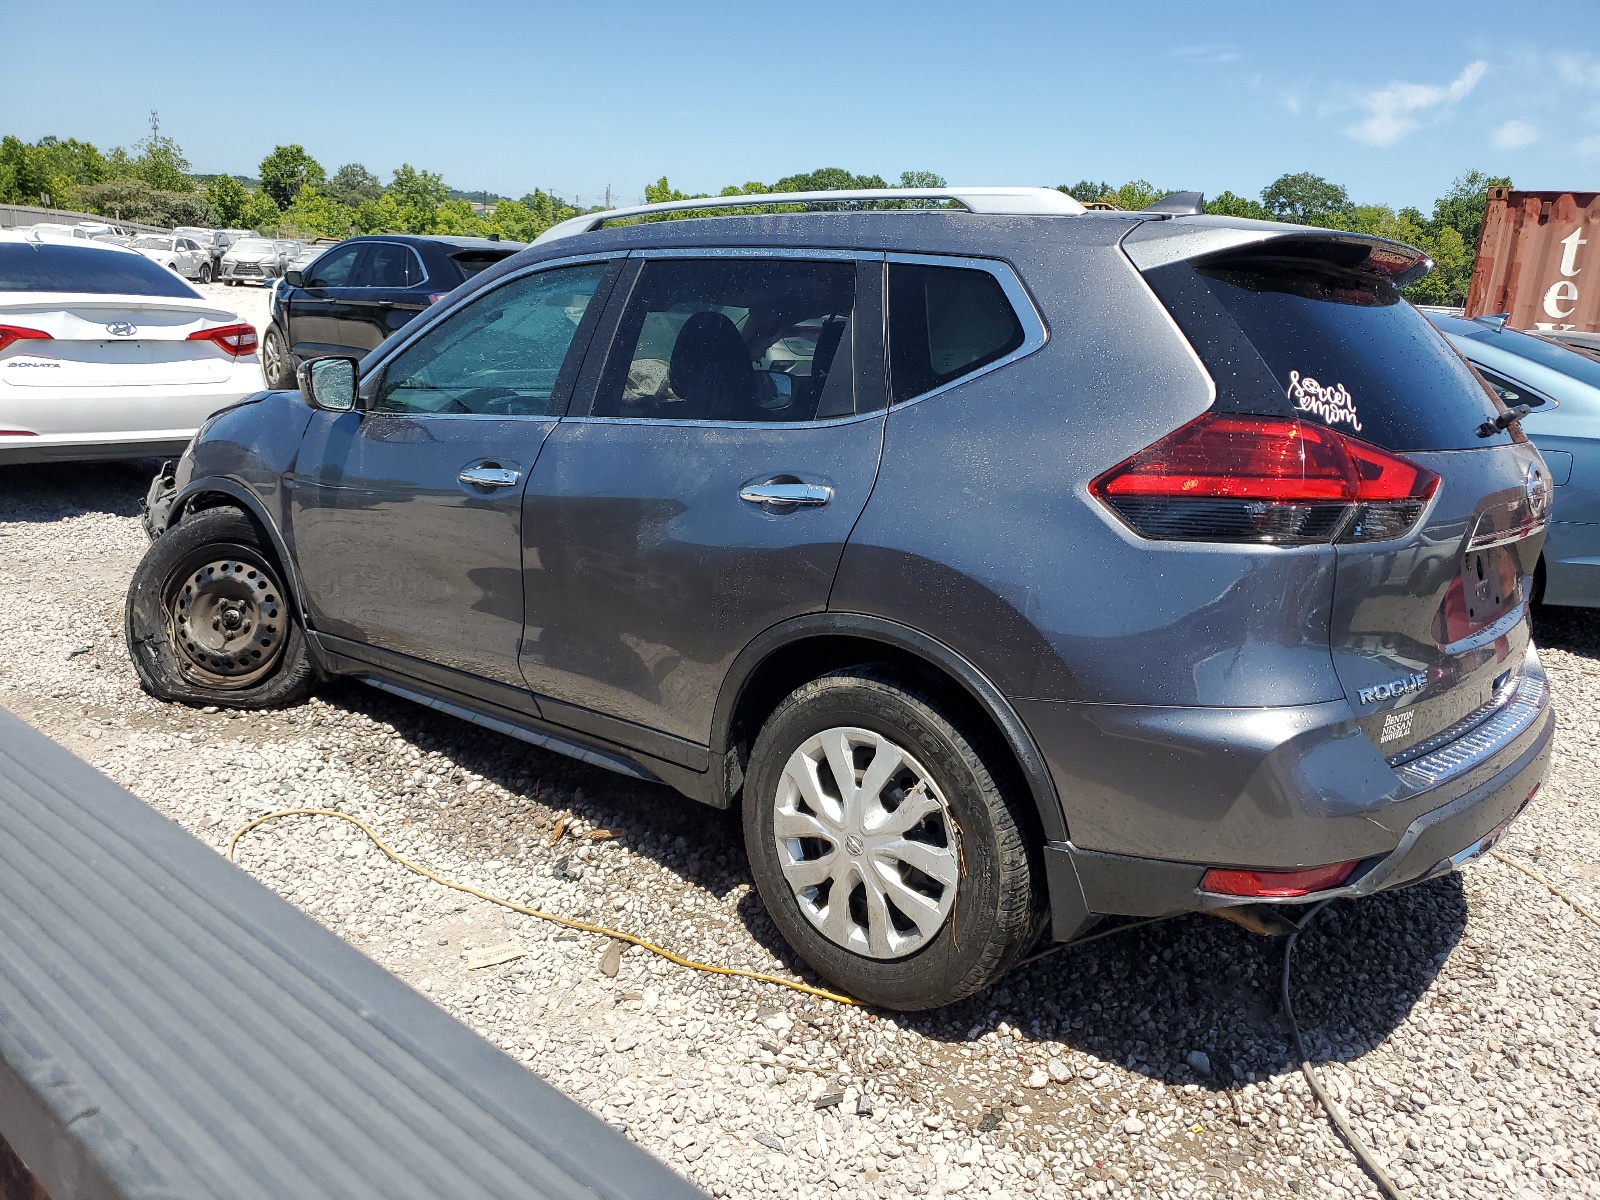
(1011, 566)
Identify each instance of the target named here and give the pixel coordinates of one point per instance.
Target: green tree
(259, 211)
(827, 179)
(227, 196)
(922, 179)
(1226, 204)
(423, 190)
(1462, 207)
(314, 215)
(660, 192)
(1304, 198)
(1085, 191)
(288, 169)
(352, 185)
(159, 162)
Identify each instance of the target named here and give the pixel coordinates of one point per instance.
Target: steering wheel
(485, 400)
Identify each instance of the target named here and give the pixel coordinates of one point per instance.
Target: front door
(407, 516)
(320, 306)
(706, 492)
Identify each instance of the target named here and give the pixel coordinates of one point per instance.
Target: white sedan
(183, 255)
(105, 354)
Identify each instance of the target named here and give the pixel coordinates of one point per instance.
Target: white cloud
(1397, 109)
(1206, 54)
(1513, 135)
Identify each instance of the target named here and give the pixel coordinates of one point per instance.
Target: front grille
(246, 269)
(1486, 732)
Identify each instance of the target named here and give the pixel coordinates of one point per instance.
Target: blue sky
(1391, 100)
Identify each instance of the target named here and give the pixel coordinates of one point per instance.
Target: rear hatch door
(1430, 618)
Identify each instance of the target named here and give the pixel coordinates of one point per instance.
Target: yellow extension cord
(619, 935)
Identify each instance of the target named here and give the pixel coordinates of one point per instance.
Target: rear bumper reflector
(1227, 881)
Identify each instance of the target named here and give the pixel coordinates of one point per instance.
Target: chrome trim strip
(687, 424)
(800, 252)
(1035, 333)
(1492, 632)
(1531, 697)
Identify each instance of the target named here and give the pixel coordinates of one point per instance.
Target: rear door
(1429, 611)
(706, 490)
(381, 300)
(322, 305)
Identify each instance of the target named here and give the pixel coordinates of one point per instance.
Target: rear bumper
(1450, 825)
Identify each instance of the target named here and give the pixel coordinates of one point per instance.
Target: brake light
(235, 339)
(17, 433)
(19, 333)
(435, 297)
(1229, 478)
(1276, 884)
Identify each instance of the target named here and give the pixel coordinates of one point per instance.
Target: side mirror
(328, 383)
(293, 278)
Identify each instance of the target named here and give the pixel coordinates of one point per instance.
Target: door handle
(798, 495)
(489, 476)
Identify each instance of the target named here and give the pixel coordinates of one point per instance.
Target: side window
(748, 339)
(501, 355)
(333, 268)
(386, 266)
(945, 322)
(1510, 392)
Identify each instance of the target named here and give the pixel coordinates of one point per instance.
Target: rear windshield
(1341, 348)
(473, 261)
(29, 267)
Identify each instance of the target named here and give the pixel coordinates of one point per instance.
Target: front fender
(213, 490)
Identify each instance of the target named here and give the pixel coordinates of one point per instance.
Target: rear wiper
(1490, 428)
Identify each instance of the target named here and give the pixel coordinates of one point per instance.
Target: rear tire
(209, 621)
(930, 914)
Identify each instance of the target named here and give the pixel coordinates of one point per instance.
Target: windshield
(254, 246)
(32, 267)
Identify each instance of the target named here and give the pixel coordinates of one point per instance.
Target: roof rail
(1011, 201)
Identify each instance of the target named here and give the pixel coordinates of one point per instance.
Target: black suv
(359, 292)
(1010, 565)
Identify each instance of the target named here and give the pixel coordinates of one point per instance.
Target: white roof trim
(1011, 201)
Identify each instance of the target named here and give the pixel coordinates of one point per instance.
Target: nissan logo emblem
(1537, 490)
(122, 329)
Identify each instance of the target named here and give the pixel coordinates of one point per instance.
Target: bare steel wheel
(225, 613)
(866, 842)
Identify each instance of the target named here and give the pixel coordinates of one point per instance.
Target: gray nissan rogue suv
(1011, 566)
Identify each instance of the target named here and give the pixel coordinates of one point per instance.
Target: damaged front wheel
(209, 620)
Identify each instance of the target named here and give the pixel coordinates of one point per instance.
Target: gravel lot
(1457, 1021)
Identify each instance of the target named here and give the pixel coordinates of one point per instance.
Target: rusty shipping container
(1539, 260)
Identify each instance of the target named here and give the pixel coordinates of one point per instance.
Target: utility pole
(608, 195)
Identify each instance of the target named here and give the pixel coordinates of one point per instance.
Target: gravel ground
(248, 300)
(1458, 1021)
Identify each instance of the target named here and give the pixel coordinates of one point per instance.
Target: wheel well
(201, 501)
(799, 662)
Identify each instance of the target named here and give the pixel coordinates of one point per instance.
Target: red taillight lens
(1265, 479)
(435, 297)
(1275, 884)
(235, 339)
(17, 433)
(19, 333)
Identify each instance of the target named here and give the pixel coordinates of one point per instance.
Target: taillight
(19, 333)
(435, 297)
(235, 339)
(1225, 478)
(1226, 881)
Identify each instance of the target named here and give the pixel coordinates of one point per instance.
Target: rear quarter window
(29, 267)
(944, 323)
(472, 262)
